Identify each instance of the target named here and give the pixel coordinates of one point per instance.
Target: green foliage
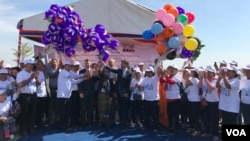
(197, 51)
(26, 51)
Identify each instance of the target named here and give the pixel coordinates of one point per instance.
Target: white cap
(67, 63)
(195, 69)
(211, 69)
(3, 71)
(201, 69)
(173, 66)
(247, 67)
(7, 66)
(141, 64)
(29, 61)
(150, 65)
(233, 68)
(2, 91)
(137, 70)
(223, 62)
(22, 61)
(150, 69)
(234, 63)
(76, 63)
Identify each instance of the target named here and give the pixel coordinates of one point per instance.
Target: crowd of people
(74, 95)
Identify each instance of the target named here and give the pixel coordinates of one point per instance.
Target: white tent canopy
(124, 19)
(118, 16)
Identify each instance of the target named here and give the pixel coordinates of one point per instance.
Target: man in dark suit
(87, 94)
(122, 88)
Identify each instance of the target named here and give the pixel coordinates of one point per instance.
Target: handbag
(122, 91)
(15, 109)
(137, 97)
(203, 103)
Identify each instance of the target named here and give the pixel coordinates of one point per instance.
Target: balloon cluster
(66, 32)
(173, 31)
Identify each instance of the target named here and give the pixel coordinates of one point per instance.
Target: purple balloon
(101, 47)
(186, 53)
(113, 44)
(68, 32)
(49, 14)
(89, 48)
(53, 28)
(48, 35)
(59, 47)
(45, 40)
(100, 29)
(94, 40)
(75, 15)
(69, 51)
(66, 10)
(180, 10)
(61, 17)
(55, 7)
(104, 55)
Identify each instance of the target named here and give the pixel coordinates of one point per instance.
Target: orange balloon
(174, 11)
(167, 6)
(160, 37)
(161, 48)
(168, 32)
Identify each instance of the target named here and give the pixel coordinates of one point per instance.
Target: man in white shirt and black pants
(26, 80)
(65, 80)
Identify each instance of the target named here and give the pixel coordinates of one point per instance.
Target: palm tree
(25, 51)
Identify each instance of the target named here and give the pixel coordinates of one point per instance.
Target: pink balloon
(168, 20)
(160, 14)
(178, 27)
(190, 16)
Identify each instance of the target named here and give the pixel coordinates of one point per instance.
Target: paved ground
(117, 133)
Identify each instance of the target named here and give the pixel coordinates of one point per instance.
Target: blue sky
(222, 25)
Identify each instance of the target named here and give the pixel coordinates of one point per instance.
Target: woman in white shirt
(5, 105)
(136, 105)
(194, 99)
(172, 80)
(150, 86)
(210, 95)
(229, 102)
(245, 95)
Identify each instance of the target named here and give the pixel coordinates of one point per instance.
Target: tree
(26, 51)
(197, 51)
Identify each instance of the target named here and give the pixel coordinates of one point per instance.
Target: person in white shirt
(136, 105)
(42, 95)
(5, 105)
(194, 99)
(142, 69)
(173, 97)
(75, 97)
(150, 87)
(113, 77)
(210, 94)
(64, 92)
(245, 95)
(229, 102)
(5, 84)
(27, 82)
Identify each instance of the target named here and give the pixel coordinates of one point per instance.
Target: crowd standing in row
(75, 97)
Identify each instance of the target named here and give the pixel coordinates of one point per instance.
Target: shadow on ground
(117, 133)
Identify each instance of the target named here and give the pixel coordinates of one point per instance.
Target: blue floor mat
(117, 133)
